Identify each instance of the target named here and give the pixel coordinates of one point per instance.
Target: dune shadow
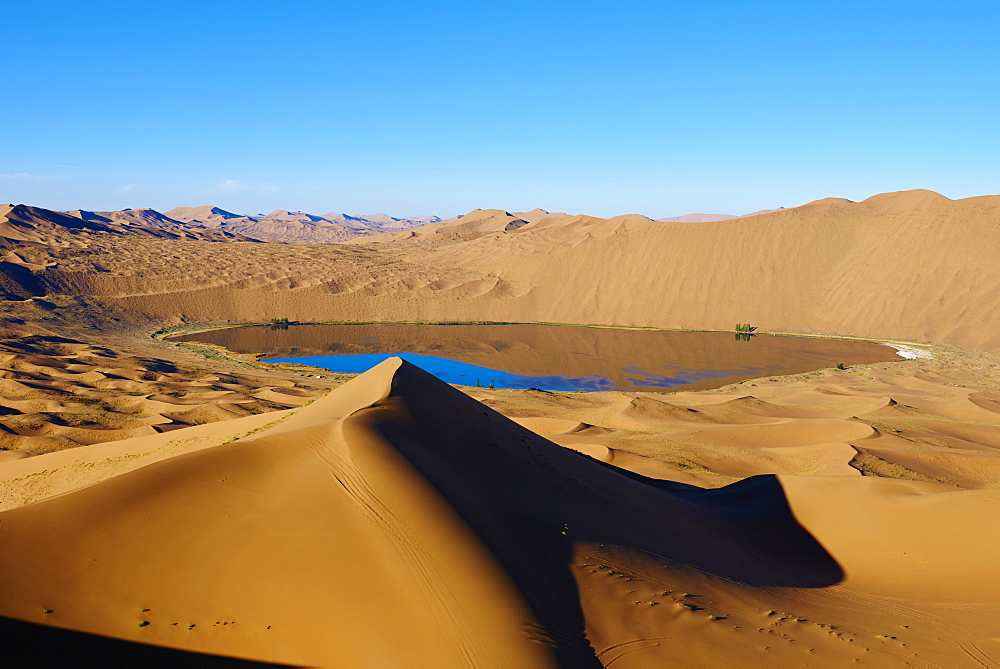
(757, 516)
(18, 283)
(529, 500)
(44, 646)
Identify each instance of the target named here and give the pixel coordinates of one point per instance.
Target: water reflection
(550, 357)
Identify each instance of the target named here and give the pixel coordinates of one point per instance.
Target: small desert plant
(744, 331)
(841, 365)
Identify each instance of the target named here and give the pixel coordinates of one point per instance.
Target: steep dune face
(356, 560)
(909, 265)
(21, 223)
(206, 215)
(537, 214)
(923, 271)
(149, 217)
(37, 226)
(296, 226)
(397, 522)
(476, 223)
(152, 222)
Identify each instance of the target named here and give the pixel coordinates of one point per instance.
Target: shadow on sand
(44, 646)
(529, 500)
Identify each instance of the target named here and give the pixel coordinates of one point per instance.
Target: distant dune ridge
(296, 226)
(909, 265)
(713, 218)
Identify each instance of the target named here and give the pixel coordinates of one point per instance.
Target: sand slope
(908, 265)
(58, 393)
(399, 522)
(283, 225)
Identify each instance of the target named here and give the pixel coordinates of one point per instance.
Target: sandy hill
(292, 227)
(482, 220)
(204, 215)
(152, 223)
(697, 218)
(147, 217)
(399, 522)
(285, 216)
(383, 219)
(423, 220)
(283, 225)
(905, 201)
(476, 223)
(24, 225)
(280, 225)
(625, 217)
(925, 273)
(384, 222)
(58, 393)
(159, 508)
(713, 218)
(761, 212)
(150, 220)
(537, 215)
(34, 225)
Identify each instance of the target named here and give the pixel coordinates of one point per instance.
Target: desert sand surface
(58, 393)
(163, 502)
(283, 225)
(911, 265)
(399, 522)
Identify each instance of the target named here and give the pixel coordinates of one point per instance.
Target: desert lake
(549, 357)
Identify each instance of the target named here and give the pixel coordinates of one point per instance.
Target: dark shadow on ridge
(528, 500)
(46, 646)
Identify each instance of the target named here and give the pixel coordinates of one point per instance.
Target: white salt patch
(911, 352)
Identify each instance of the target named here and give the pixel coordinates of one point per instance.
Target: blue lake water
(465, 374)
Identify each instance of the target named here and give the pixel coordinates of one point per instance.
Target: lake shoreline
(640, 354)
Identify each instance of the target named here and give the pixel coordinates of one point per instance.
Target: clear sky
(432, 107)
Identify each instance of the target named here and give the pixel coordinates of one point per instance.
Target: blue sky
(662, 108)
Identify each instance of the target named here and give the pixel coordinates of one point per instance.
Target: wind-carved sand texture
(397, 521)
(903, 266)
(58, 393)
(819, 519)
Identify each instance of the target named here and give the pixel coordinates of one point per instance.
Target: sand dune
(155, 224)
(714, 218)
(538, 214)
(205, 215)
(295, 226)
(400, 522)
(824, 518)
(37, 227)
(476, 223)
(58, 393)
(923, 271)
(697, 218)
